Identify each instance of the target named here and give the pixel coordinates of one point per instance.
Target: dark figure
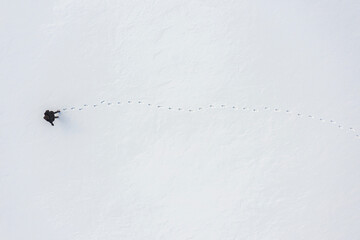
(50, 116)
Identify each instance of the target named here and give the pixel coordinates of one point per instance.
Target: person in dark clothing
(50, 116)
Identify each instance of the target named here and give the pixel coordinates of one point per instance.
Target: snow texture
(180, 119)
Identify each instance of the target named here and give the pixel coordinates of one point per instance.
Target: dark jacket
(49, 116)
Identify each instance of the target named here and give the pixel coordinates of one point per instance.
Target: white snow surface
(260, 141)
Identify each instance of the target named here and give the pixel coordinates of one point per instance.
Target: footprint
(222, 105)
(85, 105)
(72, 108)
(233, 107)
(200, 108)
(102, 101)
(118, 102)
(149, 104)
(109, 103)
(80, 109)
(64, 109)
(129, 101)
(211, 106)
(139, 101)
(179, 109)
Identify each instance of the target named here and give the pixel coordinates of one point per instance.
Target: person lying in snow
(50, 116)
